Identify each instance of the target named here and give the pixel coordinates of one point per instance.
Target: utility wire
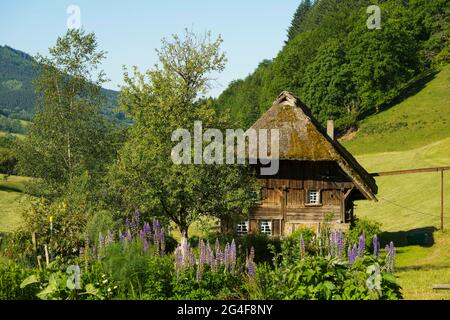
(410, 209)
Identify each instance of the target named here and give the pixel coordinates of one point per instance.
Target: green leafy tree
(168, 97)
(328, 86)
(68, 136)
(382, 61)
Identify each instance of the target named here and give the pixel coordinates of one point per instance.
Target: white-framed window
(313, 197)
(242, 228)
(265, 226)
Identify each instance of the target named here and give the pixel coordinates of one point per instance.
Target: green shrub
(11, 276)
(323, 278)
(158, 281)
(260, 242)
(291, 245)
(100, 222)
(213, 285)
(366, 227)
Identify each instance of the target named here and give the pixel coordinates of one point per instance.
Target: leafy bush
(11, 277)
(260, 242)
(291, 245)
(366, 227)
(324, 278)
(158, 281)
(100, 223)
(60, 224)
(213, 285)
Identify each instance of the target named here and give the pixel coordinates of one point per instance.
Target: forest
(345, 73)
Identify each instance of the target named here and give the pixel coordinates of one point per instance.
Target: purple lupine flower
(217, 246)
(145, 244)
(128, 236)
(101, 240)
(142, 235)
(361, 245)
(340, 245)
(156, 227)
(353, 254)
(210, 254)
(133, 227)
(376, 246)
(251, 270)
(147, 230)
(163, 241)
(302, 247)
(178, 259)
(127, 224)
(390, 257)
(233, 255)
(109, 237)
(226, 256)
(137, 217)
(201, 260)
(333, 242)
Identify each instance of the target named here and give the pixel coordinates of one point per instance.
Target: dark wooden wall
(284, 196)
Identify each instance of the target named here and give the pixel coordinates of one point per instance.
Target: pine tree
(297, 20)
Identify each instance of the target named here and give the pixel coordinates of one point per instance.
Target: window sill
(313, 205)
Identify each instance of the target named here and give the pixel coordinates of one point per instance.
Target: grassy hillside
(418, 120)
(409, 209)
(413, 134)
(12, 202)
(17, 97)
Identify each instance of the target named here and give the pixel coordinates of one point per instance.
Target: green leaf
(90, 289)
(29, 280)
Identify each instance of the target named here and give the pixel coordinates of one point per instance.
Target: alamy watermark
(241, 147)
(374, 20)
(74, 19)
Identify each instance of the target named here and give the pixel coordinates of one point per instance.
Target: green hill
(418, 120)
(413, 134)
(339, 67)
(17, 97)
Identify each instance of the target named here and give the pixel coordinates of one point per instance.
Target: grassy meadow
(12, 202)
(413, 134)
(419, 120)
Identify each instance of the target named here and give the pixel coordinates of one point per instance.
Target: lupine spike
(376, 246)
(361, 245)
(302, 247)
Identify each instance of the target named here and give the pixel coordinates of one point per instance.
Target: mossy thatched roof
(303, 138)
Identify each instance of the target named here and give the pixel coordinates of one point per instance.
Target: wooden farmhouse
(317, 176)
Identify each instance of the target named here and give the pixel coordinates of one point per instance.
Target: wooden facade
(317, 180)
(284, 197)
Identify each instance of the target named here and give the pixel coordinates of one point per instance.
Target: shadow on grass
(421, 237)
(10, 189)
(412, 88)
(423, 267)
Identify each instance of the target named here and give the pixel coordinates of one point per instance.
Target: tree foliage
(168, 97)
(68, 136)
(339, 67)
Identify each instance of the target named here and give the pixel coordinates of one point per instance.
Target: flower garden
(140, 260)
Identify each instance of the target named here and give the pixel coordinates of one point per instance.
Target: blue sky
(130, 30)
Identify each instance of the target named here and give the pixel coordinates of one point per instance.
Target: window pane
(242, 228)
(313, 197)
(266, 227)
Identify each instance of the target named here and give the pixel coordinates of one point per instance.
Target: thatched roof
(303, 138)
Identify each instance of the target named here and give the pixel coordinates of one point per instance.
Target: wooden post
(442, 200)
(33, 241)
(39, 257)
(47, 259)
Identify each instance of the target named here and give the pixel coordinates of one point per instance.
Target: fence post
(442, 200)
